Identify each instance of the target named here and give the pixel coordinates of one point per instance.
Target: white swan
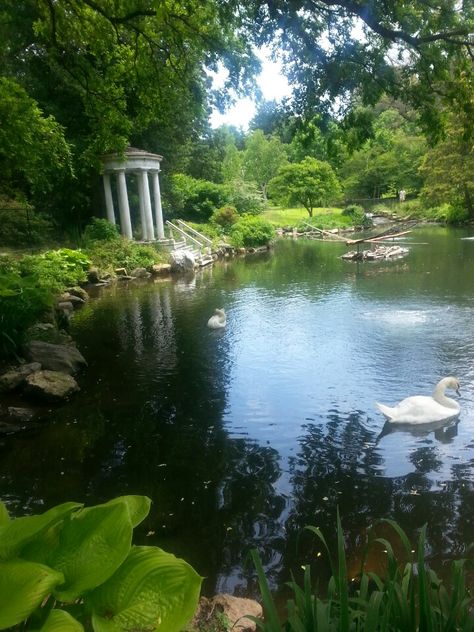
(218, 321)
(421, 409)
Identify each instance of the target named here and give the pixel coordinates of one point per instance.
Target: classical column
(109, 203)
(141, 201)
(124, 208)
(147, 204)
(158, 210)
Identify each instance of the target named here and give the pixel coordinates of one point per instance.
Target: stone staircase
(190, 240)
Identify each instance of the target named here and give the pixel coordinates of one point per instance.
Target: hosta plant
(74, 568)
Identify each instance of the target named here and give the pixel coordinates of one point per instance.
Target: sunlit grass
(325, 218)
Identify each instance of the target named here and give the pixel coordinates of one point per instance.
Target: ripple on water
(276, 413)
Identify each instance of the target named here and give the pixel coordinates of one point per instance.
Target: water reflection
(242, 437)
(444, 430)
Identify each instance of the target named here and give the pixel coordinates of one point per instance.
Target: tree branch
(138, 13)
(367, 15)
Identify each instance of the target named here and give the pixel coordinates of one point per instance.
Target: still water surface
(244, 436)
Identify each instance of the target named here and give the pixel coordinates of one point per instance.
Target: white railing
(192, 230)
(182, 232)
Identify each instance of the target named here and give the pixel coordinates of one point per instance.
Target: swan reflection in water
(444, 430)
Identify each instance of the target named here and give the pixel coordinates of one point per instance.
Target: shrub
(353, 210)
(21, 226)
(22, 303)
(225, 216)
(8, 264)
(357, 215)
(251, 231)
(246, 197)
(195, 199)
(411, 208)
(382, 209)
(445, 213)
(56, 269)
(454, 214)
(209, 230)
(100, 230)
(123, 253)
(72, 568)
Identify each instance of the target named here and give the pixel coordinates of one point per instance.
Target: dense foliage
(21, 226)
(55, 269)
(73, 567)
(22, 303)
(225, 217)
(100, 230)
(29, 284)
(309, 183)
(108, 255)
(251, 232)
(100, 75)
(357, 215)
(387, 161)
(27, 289)
(263, 158)
(418, 52)
(83, 78)
(195, 199)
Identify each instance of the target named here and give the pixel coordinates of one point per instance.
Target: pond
(243, 436)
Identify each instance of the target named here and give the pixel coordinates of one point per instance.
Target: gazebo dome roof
(133, 159)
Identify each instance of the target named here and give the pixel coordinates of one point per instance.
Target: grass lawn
(322, 217)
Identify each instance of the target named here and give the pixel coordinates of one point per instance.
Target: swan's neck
(441, 398)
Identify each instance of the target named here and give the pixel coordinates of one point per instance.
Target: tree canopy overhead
(114, 72)
(419, 51)
(106, 73)
(121, 65)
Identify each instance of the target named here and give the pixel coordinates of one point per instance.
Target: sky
(270, 81)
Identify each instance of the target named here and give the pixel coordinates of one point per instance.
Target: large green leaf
(138, 507)
(4, 517)
(152, 591)
(15, 534)
(92, 545)
(40, 549)
(23, 586)
(60, 621)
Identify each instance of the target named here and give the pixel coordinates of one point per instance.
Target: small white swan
(421, 409)
(218, 321)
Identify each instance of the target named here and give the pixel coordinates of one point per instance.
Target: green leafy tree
(208, 158)
(388, 161)
(416, 51)
(321, 138)
(195, 199)
(34, 154)
(113, 73)
(263, 158)
(232, 167)
(448, 171)
(309, 183)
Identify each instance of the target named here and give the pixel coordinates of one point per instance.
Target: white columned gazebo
(140, 163)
